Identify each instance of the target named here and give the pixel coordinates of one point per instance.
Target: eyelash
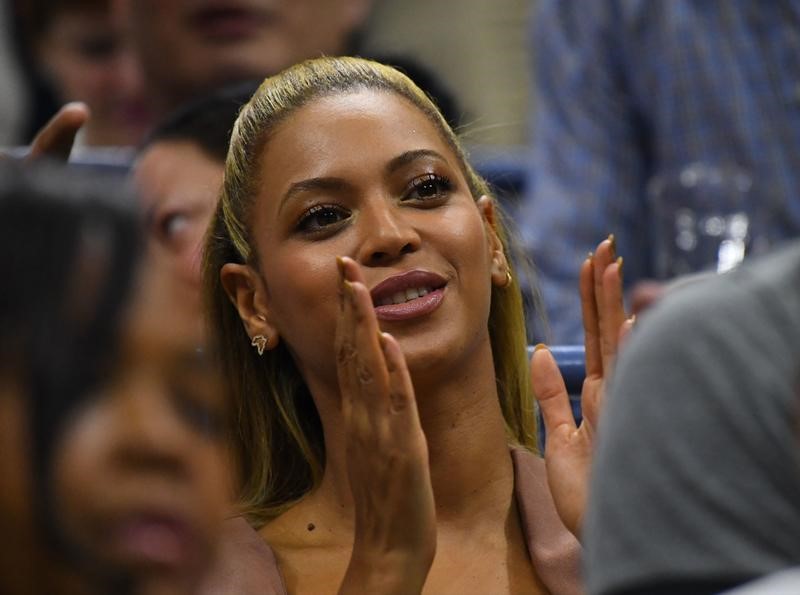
(307, 219)
(442, 183)
(309, 222)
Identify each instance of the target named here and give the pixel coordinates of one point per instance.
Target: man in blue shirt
(632, 89)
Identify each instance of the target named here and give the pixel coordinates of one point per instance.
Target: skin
(257, 38)
(457, 519)
(56, 138)
(178, 185)
(569, 448)
(85, 56)
(148, 444)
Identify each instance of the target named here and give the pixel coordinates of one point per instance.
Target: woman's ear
(501, 272)
(247, 292)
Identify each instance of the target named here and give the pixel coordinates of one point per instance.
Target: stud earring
(260, 342)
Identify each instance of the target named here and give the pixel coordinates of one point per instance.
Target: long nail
(613, 241)
(349, 291)
(539, 346)
(619, 268)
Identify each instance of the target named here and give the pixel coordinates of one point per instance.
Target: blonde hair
(278, 438)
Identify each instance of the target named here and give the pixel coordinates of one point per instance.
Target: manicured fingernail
(613, 241)
(590, 256)
(632, 320)
(539, 346)
(349, 291)
(340, 265)
(381, 340)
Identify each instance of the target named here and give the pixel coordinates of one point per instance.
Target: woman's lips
(229, 22)
(408, 295)
(153, 539)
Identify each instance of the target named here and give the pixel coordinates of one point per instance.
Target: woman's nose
(387, 234)
(150, 439)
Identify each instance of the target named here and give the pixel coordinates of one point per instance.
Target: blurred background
(54, 51)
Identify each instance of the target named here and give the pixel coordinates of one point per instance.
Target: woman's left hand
(569, 448)
(387, 454)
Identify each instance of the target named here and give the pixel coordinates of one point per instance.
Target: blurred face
(86, 57)
(141, 474)
(211, 42)
(367, 175)
(179, 185)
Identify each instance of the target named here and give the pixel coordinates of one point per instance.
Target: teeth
(402, 297)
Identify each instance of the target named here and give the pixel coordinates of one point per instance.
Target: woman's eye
(175, 224)
(429, 187)
(199, 416)
(100, 47)
(320, 217)
(172, 227)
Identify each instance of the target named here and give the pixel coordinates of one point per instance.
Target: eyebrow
(411, 156)
(312, 184)
(331, 184)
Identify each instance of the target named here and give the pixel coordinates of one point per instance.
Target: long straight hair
(278, 436)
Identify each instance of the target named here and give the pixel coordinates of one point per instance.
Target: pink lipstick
(408, 295)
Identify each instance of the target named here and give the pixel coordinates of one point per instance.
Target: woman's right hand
(387, 455)
(56, 138)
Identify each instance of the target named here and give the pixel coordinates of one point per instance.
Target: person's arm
(588, 165)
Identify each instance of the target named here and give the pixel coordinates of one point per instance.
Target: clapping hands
(387, 455)
(569, 447)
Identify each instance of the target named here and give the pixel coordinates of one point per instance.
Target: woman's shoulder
(554, 551)
(245, 564)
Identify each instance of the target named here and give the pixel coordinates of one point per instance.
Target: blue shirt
(630, 89)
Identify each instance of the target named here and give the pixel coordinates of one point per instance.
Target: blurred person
(79, 51)
(178, 173)
(188, 47)
(696, 481)
(14, 98)
(627, 91)
(113, 463)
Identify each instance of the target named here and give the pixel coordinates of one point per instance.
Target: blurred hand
(569, 448)
(387, 454)
(646, 293)
(55, 140)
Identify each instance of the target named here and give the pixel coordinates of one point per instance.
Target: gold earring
(509, 278)
(260, 342)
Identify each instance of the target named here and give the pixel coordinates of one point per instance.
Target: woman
(385, 401)
(113, 471)
(78, 51)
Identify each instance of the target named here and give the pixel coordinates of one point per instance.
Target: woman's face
(87, 58)
(179, 185)
(140, 472)
(367, 175)
(210, 43)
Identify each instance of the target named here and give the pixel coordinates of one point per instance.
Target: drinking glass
(706, 218)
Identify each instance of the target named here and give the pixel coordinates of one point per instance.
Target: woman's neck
(471, 469)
